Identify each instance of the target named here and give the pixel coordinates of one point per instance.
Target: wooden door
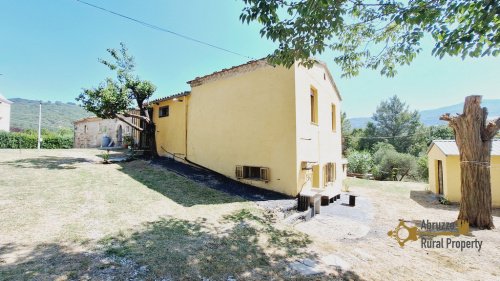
(440, 176)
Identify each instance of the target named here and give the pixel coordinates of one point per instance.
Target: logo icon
(403, 233)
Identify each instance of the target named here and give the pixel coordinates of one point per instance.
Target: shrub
(359, 162)
(423, 168)
(392, 165)
(30, 140)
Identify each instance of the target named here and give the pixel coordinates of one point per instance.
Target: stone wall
(90, 131)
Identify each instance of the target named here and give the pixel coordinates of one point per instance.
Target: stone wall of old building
(89, 132)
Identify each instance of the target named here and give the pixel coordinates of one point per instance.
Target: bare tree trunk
(150, 130)
(473, 136)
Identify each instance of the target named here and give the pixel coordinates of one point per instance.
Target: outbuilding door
(440, 176)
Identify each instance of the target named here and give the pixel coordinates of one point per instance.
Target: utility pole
(39, 126)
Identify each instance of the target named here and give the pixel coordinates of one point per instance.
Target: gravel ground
(358, 236)
(265, 198)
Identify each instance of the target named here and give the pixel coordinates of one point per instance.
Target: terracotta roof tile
(182, 94)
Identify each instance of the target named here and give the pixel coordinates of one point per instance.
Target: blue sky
(49, 51)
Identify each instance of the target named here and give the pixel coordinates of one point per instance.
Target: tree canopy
(114, 98)
(378, 34)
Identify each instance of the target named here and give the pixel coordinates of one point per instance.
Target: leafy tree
(394, 120)
(423, 167)
(368, 137)
(441, 132)
(347, 134)
(390, 164)
(114, 98)
(379, 34)
(359, 162)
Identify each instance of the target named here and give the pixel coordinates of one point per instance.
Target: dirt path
(361, 240)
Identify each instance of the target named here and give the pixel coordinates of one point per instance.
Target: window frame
(334, 117)
(250, 172)
(160, 110)
(313, 105)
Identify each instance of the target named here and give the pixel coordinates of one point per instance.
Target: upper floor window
(314, 106)
(164, 111)
(334, 118)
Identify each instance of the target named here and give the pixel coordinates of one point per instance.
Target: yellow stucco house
(270, 127)
(444, 170)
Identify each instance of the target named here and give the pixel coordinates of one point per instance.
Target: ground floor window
(330, 173)
(252, 173)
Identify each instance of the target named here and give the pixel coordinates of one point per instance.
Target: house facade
(90, 132)
(271, 127)
(4, 113)
(444, 170)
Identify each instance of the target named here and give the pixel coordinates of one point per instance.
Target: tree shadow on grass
(180, 189)
(250, 249)
(47, 162)
(245, 247)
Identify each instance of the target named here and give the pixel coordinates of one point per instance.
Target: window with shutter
(252, 173)
(239, 172)
(264, 174)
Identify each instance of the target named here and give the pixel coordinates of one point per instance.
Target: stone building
(92, 131)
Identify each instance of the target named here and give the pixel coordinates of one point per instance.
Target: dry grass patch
(65, 216)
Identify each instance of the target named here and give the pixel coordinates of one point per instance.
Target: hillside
(55, 115)
(431, 117)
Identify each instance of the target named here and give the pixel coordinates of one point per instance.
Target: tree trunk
(150, 131)
(473, 137)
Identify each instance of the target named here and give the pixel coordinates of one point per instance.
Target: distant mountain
(55, 115)
(431, 117)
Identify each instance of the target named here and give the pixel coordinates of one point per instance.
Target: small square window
(164, 111)
(252, 173)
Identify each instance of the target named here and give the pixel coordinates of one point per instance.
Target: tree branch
(121, 118)
(447, 117)
(144, 118)
(492, 128)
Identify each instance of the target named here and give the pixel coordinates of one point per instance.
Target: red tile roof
(198, 80)
(182, 94)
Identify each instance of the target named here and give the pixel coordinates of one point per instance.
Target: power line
(152, 26)
(394, 137)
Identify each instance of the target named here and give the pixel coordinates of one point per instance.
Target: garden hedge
(23, 140)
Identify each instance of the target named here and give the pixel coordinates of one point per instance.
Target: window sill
(253, 179)
(314, 124)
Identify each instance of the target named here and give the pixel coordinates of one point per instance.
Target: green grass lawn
(66, 216)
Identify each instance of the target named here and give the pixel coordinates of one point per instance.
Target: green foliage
(394, 119)
(442, 132)
(360, 162)
(423, 168)
(392, 165)
(376, 34)
(128, 140)
(113, 98)
(368, 137)
(105, 156)
(30, 140)
(347, 135)
(55, 116)
(107, 100)
(444, 201)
